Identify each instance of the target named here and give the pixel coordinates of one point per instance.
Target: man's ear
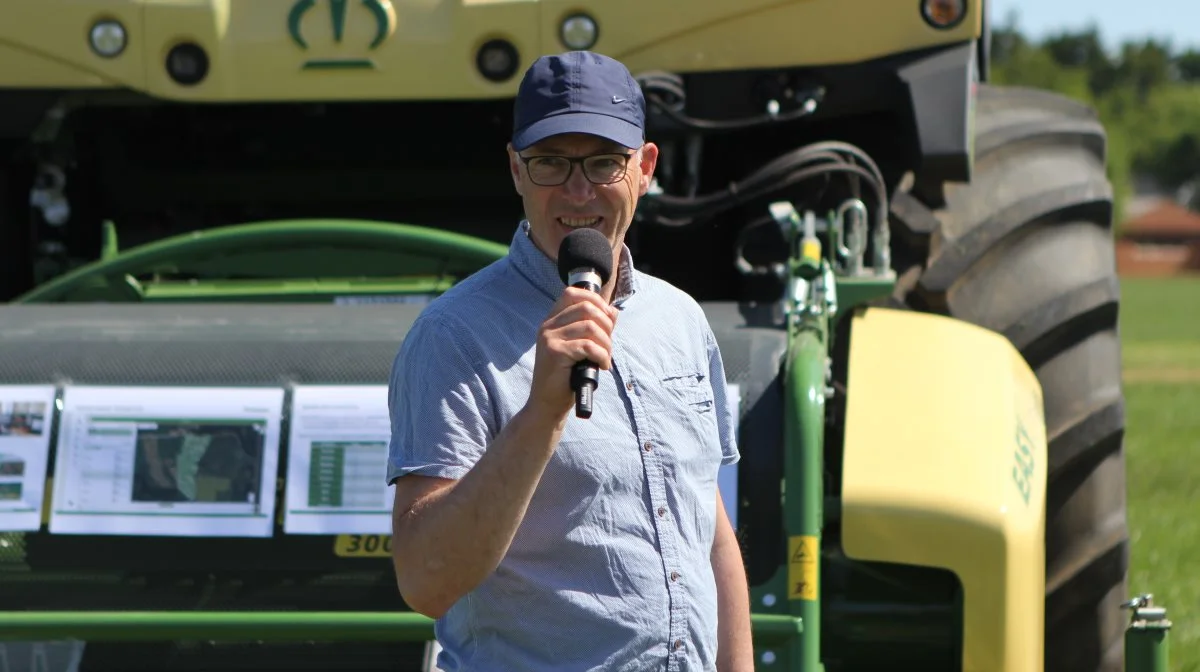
(514, 167)
(648, 162)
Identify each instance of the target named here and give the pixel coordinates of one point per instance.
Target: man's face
(554, 211)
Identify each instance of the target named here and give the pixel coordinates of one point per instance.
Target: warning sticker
(802, 567)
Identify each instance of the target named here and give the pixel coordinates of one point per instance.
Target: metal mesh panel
(272, 344)
(209, 344)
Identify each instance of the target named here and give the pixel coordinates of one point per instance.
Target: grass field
(1160, 324)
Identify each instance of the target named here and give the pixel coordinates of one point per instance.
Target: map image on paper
(197, 462)
(167, 461)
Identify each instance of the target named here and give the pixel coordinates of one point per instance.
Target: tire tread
(1070, 339)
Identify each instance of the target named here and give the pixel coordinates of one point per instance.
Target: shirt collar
(542, 272)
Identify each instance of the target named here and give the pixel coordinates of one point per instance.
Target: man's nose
(577, 186)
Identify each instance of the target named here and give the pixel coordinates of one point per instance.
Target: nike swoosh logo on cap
(617, 99)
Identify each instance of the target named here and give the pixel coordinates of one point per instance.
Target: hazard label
(802, 567)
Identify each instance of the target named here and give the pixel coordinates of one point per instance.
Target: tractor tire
(1026, 249)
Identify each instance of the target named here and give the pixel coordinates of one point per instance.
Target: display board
(203, 461)
(26, 413)
(168, 461)
(337, 461)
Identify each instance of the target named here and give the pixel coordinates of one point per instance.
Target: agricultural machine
(909, 269)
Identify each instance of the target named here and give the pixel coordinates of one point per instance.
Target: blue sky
(1118, 20)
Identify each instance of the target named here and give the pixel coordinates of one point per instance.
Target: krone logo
(385, 24)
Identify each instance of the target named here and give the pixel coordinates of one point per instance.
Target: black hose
(676, 206)
(781, 165)
(666, 92)
(782, 172)
(654, 83)
(804, 163)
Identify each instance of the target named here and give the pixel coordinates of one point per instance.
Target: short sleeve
(726, 418)
(439, 406)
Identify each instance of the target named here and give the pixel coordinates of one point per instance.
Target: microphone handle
(585, 375)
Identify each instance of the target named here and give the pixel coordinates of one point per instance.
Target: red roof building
(1159, 238)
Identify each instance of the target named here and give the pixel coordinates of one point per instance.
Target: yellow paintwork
(936, 407)
(430, 48)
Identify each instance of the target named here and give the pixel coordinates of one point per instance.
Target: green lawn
(1160, 324)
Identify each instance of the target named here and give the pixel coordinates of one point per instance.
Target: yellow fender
(945, 466)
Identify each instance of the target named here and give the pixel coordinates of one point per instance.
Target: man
(541, 541)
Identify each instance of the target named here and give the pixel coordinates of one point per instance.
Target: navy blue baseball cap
(579, 92)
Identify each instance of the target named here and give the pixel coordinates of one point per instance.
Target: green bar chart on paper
(346, 474)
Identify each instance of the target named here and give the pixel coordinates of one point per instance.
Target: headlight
(943, 13)
(497, 60)
(579, 32)
(187, 64)
(107, 38)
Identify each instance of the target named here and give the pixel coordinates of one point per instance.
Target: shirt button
(662, 511)
(678, 644)
(647, 446)
(629, 386)
(674, 576)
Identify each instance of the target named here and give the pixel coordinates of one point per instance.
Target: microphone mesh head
(585, 248)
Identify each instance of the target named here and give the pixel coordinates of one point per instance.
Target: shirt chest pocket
(688, 392)
(686, 420)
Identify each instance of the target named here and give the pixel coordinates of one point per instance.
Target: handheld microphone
(585, 261)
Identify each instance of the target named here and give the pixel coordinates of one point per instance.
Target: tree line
(1147, 94)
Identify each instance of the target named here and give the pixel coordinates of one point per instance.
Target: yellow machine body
(945, 466)
(280, 50)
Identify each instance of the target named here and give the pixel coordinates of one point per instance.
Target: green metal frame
(279, 261)
(816, 278)
(1146, 645)
(786, 618)
(143, 626)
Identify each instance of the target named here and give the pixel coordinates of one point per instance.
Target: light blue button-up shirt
(611, 568)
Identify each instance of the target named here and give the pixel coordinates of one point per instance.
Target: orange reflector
(943, 13)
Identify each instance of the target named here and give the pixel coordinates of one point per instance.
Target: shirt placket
(653, 454)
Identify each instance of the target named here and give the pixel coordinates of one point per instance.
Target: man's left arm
(735, 652)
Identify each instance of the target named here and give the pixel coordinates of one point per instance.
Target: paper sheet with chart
(25, 418)
(199, 462)
(337, 461)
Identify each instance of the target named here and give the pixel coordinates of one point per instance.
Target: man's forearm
(452, 540)
(735, 650)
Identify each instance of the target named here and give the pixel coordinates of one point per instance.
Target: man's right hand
(579, 327)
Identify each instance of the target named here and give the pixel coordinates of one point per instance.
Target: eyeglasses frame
(572, 160)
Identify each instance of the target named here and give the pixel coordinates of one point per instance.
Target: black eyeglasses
(551, 171)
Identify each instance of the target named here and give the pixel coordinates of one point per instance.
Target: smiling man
(579, 125)
(538, 540)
